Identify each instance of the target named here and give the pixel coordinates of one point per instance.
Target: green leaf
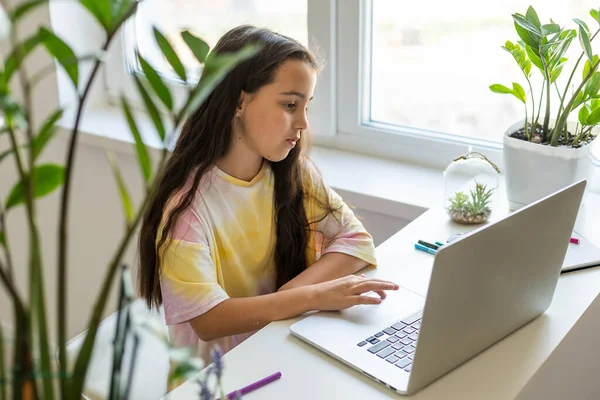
(582, 24)
(140, 147)
(62, 52)
(595, 14)
(125, 198)
(584, 113)
(101, 10)
(157, 84)
(594, 117)
(151, 108)
(528, 32)
(46, 133)
(548, 29)
(24, 8)
(14, 59)
(509, 45)
(578, 100)
(588, 65)
(48, 177)
(170, 54)
(595, 103)
(593, 85)
(519, 92)
(216, 68)
(120, 9)
(527, 67)
(3, 244)
(498, 88)
(535, 59)
(584, 39)
(557, 70)
(532, 17)
(197, 46)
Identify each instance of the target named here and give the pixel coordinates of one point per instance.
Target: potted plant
(32, 373)
(545, 152)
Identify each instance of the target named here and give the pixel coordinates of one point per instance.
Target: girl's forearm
(330, 266)
(248, 314)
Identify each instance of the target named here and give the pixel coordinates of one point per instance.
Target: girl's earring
(237, 114)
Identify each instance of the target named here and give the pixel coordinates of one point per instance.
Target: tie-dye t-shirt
(223, 246)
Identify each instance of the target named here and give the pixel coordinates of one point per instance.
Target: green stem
(527, 135)
(7, 251)
(563, 118)
(560, 108)
(547, 115)
(63, 235)
(532, 110)
(537, 118)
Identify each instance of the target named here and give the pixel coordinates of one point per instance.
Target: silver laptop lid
(492, 281)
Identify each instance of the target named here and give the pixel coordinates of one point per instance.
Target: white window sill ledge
(387, 187)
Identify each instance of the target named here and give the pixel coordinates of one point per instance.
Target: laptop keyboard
(396, 343)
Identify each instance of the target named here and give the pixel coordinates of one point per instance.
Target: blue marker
(424, 248)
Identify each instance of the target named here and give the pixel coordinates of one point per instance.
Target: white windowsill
(393, 188)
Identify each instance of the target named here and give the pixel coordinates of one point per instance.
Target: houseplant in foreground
(545, 152)
(32, 374)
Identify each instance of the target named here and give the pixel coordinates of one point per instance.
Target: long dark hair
(205, 137)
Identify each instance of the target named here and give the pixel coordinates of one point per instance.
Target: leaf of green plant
(595, 14)
(509, 45)
(527, 68)
(556, 72)
(197, 46)
(593, 85)
(519, 92)
(125, 198)
(13, 60)
(215, 69)
(157, 84)
(151, 108)
(498, 88)
(140, 147)
(24, 8)
(48, 177)
(561, 49)
(584, 113)
(532, 17)
(578, 100)
(522, 22)
(535, 59)
(595, 103)
(582, 24)
(62, 52)
(170, 54)
(46, 133)
(119, 10)
(594, 117)
(588, 65)
(3, 244)
(101, 10)
(584, 39)
(549, 29)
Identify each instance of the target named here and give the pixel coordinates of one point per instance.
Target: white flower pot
(533, 171)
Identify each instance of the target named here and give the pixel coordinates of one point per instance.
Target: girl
(241, 212)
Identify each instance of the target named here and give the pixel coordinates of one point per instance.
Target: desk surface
(500, 372)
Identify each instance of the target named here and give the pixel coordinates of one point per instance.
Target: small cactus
(471, 210)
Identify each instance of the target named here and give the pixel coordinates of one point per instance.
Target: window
(209, 20)
(433, 63)
(309, 21)
(407, 81)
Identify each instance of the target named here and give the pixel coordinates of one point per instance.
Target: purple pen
(254, 386)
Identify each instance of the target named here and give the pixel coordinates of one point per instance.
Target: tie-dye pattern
(223, 246)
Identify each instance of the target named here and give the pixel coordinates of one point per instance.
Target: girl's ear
(243, 100)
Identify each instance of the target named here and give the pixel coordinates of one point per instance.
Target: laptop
(483, 286)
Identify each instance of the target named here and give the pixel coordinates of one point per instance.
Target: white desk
(498, 373)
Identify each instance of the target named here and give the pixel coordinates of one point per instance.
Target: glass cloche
(471, 188)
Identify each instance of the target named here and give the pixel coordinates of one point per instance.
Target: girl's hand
(348, 291)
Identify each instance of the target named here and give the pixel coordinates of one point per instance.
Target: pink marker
(574, 241)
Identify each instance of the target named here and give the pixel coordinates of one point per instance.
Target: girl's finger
(370, 286)
(364, 300)
(381, 294)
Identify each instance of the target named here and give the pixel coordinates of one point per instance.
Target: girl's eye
(289, 106)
